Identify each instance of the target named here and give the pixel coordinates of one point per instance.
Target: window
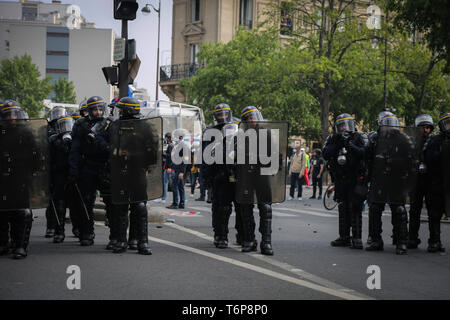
(246, 13)
(194, 50)
(195, 10)
(29, 11)
(286, 19)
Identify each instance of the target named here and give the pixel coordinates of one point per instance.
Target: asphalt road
(186, 265)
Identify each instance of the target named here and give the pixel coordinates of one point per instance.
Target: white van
(175, 116)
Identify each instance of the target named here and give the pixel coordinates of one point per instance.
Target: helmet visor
(390, 121)
(222, 115)
(56, 113)
(423, 120)
(252, 115)
(230, 130)
(444, 123)
(344, 125)
(10, 113)
(64, 124)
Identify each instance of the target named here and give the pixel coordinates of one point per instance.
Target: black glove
(71, 180)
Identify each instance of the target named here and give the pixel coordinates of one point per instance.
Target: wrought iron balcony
(176, 72)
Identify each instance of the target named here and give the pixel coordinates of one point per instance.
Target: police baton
(81, 198)
(56, 213)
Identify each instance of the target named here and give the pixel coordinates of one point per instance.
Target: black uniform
(436, 191)
(350, 184)
(399, 216)
(88, 168)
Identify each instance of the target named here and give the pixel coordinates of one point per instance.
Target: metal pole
(123, 68)
(385, 67)
(157, 54)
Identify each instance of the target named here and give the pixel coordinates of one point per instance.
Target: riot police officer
(88, 170)
(392, 162)
(345, 151)
(129, 109)
(437, 158)
(424, 124)
(249, 116)
(50, 214)
(15, 223)
(83, 109)
(217, 176)
(60, 144)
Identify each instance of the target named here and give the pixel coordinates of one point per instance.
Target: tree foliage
(19, 80)
(64, 91)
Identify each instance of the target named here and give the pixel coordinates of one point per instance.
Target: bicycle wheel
(328, 199)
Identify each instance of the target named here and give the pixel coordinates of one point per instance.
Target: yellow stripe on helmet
(13, 107)
(222, 109)
(64, 118)
(445, 117)
(93, 102)
(251, 110)
(129, 104)
(348, 118)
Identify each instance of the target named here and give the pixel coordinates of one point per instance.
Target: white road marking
(270, 273)
(285, 266)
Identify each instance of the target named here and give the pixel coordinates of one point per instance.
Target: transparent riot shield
(446, 173)
(136, 160)
(261, 162)
(24, 175)
(394, 167)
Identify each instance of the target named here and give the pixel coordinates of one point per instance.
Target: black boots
(60, 207)
(344, 227)
(265, 227)
(20, 233)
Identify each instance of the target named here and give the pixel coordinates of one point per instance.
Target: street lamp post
(146, 10)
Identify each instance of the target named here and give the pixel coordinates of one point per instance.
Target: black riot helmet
(96, 103)
(381, 115)
(344, 123)
(10, 109)
(83, 108)
(424, 120)
(390, 121)
(56, 113)
(222, 114)
(64, 124)
(251, 113)
(129, 107)
(76, 116)
(444, 123)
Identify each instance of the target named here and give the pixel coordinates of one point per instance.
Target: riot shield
(394, 167)
(136, 160)
(261, 162)
(446, 173)
(24, 175)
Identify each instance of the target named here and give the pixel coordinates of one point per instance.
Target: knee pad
(265, 210)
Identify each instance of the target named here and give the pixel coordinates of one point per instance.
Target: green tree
(253, 69)
(64, 91)
(19, 80)
(430, 18)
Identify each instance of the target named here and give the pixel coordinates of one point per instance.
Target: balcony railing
(176, 72)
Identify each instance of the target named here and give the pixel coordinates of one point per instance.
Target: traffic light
(125, 9)
(111, 74)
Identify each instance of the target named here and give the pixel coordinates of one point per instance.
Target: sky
(144, 29)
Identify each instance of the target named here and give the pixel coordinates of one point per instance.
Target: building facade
(200, 21)
(60, 42)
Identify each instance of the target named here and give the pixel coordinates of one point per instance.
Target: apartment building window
(194, 51)
(286, 24)
(246, 13)
(29, 11)
(195, 10)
